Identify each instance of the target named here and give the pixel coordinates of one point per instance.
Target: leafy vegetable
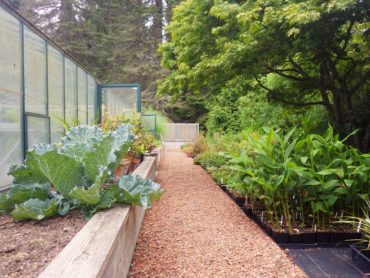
(75, 174)
(6, 204)
(35, 209)
(139, 191)
(22, 192)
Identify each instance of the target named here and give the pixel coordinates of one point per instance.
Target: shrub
(200, 145)
(210, 159)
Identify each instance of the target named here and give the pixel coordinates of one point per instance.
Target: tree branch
(293, 103)
(298, 104)
(291, 77)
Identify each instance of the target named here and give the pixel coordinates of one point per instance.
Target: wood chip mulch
(27, 247)
(195, 230)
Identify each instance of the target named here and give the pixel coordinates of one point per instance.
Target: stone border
(105, 245)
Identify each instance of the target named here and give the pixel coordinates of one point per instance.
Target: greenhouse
(184, 138)
(42, 85)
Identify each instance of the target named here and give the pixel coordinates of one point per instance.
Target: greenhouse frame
(42, 86)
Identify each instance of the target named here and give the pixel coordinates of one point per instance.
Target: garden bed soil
(27, 247)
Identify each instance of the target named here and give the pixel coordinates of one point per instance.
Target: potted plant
(361, 247)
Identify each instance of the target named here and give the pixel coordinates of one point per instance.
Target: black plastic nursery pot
(296, 238)
(361, 258)
(280, 237)
(323, 237)
(338, 237)
(320, 238)
(309, 238)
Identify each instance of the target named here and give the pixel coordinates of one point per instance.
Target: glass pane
(34, 72)
(91, 100)
(148, 122)
(82, 96)
(10, 95)
(120, 100)
(37, 131)
(56, 93)
(70, 91)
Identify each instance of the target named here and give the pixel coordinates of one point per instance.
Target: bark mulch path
(195, 230)
(27, 247)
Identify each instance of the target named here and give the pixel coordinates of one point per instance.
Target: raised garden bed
(28, 246)
(104, 247)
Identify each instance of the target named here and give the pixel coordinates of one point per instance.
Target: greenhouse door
(118, 99)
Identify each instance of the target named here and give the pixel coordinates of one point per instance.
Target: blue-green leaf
(20, 193)
(139, 191)
(35, 209)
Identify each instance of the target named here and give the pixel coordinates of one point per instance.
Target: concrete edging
(105, 245)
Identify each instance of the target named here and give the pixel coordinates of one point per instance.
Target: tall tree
(301, 52)
(117, 40)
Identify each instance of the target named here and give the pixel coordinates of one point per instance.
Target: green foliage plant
(76, 173)
(362, 224)
(301, 53)
(143, 142)
(301, 180)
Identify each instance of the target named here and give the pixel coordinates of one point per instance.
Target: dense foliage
(144, 141)
(296, 179)
(301, 53)
(75, 173)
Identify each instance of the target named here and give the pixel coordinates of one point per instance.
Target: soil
(27, 247)
(196, 230)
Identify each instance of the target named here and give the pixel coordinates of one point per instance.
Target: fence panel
(181, 132)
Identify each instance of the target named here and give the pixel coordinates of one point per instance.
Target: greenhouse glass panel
(37, 130)
(91, 100)
(82, 96)
(35, 73)
(149, 122)
(56, 93)
(120, 100)
(70, 91)
(11, 150)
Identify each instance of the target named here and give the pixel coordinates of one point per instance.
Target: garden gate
(181, 132)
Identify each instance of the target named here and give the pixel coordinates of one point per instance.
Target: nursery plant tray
(361, 258)
(309, 238)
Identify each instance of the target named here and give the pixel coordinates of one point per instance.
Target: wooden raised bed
(105, 245)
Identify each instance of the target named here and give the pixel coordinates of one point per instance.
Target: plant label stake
(315, 228)
(359, 226)
(281, 221)
(262, 217)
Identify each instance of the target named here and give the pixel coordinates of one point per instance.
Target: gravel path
(195, 230)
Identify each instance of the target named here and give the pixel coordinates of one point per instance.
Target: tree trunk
(158, 22)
